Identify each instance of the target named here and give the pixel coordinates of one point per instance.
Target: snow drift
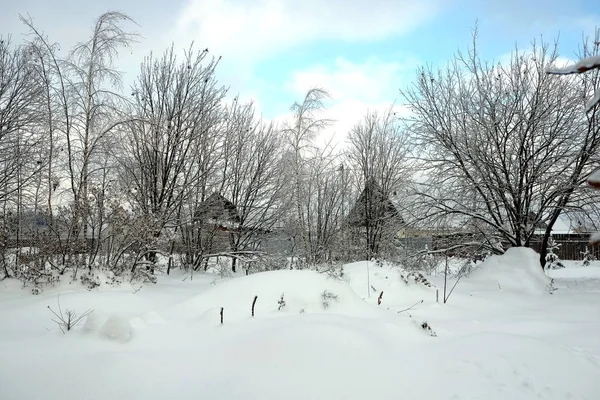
(115, 326)
(303, 292)
(368, 280)
(516, 270)
(508, 344)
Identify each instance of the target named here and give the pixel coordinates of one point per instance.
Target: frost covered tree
(379, 151)
(82, 109)
(22, 154)
(327, 188)
(20, 98)
(251, 178)
(170, 147)
(93, 106)
(505, 147)
(589, 65)
(300, 133)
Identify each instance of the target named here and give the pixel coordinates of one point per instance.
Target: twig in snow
(67, 320)
(221, 315)
(411, 307)
(380, 298)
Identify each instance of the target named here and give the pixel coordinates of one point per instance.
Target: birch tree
(20, 148)
(82, 107)
(19, 102)
(300, 133)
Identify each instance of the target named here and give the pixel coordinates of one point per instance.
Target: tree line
(95, 175)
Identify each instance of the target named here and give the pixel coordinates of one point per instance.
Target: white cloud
(247, 31)
(368, 81)
(355, 88)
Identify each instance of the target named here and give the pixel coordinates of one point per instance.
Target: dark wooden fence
(571, 246)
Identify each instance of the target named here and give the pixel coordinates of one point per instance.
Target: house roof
(380, 206)
(217, 207)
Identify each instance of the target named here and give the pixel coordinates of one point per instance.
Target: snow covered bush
(327, 297)
(332, 270)
(38, 278)
(427, 328)
(281, 303)
(415, 277)
(223, 268)
(89, 280)
(550, 287)
(143, 275)
(588, 257)
(552, 259)
(423, 261)
(266, 262)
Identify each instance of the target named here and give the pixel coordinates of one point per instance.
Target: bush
(552, 260)
(327, 297)
(69, 319)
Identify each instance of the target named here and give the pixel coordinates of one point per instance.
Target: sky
(362, 51)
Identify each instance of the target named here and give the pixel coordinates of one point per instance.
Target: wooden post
(253, 303)
(445, 277)
(368, 280)
(437, 295)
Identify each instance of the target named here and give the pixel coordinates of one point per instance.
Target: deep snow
(500, 336)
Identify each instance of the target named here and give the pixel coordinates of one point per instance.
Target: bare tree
(96, 108)
(327, 189)
(19, 101)
(169, 149)
(589, 63)
(379, 152)
(306, 124)
(20, 141)
(52, 86)
(82, 109)
(505, 148)
(251, 162)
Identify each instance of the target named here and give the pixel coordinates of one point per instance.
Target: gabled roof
(380, 206)
(217, 207)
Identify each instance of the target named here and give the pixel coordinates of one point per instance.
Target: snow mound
(516, 270)
(94, 321)
(303, 292)
(117, 327)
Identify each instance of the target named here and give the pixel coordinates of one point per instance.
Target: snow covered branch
(583, 65)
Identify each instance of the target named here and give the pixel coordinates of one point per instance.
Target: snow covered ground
(501, 335)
